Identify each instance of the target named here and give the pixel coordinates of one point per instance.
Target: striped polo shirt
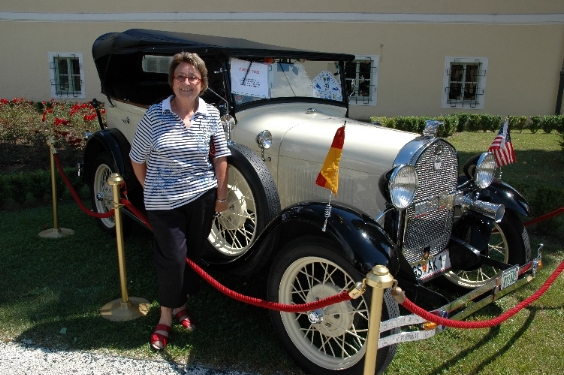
(178, 166)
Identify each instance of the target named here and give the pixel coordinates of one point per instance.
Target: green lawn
(51, 291)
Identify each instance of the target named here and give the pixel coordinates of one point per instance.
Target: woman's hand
(221, 205)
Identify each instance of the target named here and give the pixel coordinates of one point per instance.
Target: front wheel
(509, 244)
(252, 203)
(331, 339)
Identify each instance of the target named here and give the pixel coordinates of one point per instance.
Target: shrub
(547, 199)
(30, 125)
(518, 122)
(535, 124)
(490, 122)
(549, 123)
(19, 186)
(40, 184)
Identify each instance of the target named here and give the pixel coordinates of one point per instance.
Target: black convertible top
(168, 42)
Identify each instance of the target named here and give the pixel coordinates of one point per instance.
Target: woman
(183, 184)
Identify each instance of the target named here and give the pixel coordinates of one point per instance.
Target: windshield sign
(252, 81)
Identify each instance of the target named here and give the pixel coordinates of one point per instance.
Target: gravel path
(18, 359)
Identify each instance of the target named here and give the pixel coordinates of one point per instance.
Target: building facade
(422, 58)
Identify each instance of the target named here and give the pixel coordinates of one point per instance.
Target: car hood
(301, 140)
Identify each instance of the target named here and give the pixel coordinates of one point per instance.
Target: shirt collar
(202, 107)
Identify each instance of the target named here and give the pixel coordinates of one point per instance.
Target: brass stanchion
(54, 232)
(379, 279)
(126, 308)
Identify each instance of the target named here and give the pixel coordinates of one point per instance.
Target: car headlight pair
(403, 183)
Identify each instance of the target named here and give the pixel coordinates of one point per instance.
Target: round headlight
(228, 123)
(485, 169)
(402, 185)
(264, 139)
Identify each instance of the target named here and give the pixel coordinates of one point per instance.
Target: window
(67, 75)
(361, 76)
(464, 83)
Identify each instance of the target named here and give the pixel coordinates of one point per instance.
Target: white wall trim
(402, 18)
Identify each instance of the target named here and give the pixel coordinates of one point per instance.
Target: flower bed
(26, 126)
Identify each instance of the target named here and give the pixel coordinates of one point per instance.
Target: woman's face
(187, 82)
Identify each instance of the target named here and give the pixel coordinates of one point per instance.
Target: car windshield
(268, 79)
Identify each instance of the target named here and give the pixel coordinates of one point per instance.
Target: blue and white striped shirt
(178, 165)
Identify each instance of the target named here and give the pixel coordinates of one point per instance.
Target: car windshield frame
(258, 81)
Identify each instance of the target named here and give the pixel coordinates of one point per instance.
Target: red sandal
(158, 340)
(184, 319)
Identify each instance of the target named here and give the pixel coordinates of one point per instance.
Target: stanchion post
(126, 308)
(54, 232)
(379, 279)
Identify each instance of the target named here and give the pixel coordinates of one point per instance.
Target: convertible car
(402, 201)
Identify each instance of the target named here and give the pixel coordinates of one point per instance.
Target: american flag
(502, 148)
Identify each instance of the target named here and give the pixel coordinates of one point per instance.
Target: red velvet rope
(343, 296)
(413, 308)
(136, 212)
(545, 217)
(75, 195)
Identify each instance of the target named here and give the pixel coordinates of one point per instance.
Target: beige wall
(380, 6)
(524, 58)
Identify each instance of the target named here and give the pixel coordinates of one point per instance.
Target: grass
(51, 291)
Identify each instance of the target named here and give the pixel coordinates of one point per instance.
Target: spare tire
(253, 202)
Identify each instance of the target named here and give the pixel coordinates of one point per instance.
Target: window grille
(361, 80)
(66, 75)
(465, 83)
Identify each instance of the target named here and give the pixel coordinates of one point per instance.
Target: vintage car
(401, 202)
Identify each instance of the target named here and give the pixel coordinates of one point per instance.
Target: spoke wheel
(101, 192)
(332, 338)
(252, 203)
(234, 230)
(509, 244)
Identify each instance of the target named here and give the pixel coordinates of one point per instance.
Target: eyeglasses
(181, 78)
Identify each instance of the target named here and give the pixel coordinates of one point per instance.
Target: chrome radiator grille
(429, 219)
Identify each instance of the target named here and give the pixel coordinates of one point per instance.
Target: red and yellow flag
(329, 175)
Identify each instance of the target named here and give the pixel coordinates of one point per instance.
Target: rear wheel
(101, 192)
(331, 339)
(509, 244)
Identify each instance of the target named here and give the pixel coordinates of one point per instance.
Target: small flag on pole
(329, 175)
(502, 148)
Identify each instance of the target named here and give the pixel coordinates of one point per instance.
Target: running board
(492, 288)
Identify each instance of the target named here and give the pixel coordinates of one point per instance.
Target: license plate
(509, 277)
(432, 266)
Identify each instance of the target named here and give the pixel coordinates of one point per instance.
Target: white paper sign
(249, 78)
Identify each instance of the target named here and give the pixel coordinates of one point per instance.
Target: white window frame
(480, 92)
(373, 87)
(55, 77)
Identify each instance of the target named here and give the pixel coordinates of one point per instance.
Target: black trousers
(179, 233)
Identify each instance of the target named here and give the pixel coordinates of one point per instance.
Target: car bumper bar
(412, 327)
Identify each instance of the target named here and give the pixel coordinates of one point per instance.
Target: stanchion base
(119, 311)
(56, 233)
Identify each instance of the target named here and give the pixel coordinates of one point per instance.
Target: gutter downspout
(560, 91)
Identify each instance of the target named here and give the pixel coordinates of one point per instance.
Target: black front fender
(502, 193)
(361, 240)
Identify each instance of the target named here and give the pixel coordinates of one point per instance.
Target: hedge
(473, 122)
